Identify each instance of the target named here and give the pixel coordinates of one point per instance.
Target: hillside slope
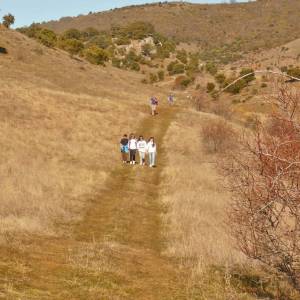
(265, 23)
(61, 120)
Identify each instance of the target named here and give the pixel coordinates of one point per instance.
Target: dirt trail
(115, 252)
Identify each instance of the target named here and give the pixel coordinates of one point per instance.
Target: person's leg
(141, 157)
(153, 159)
(150, 159)
(133, 156)
(143, 160)
(130, 155)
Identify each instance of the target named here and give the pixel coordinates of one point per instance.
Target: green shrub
(220, 78)
(210, 87)
(47, 37)
(72, 46)
(186, 82)
(138, 30)
(72, 34)
(31, 31)
(237, 87)
(250, 77)
(123, 40)
(102, 41)
(147, 49)
(165, 48)
(193, 65)
(211, 68)
(161, 75)
(134, 66)
(182, 56)
(294, 71)
(116, 62)
(96, 55)
(89, 33)
(175, 68)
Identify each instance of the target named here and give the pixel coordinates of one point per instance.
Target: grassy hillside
(61, 119)
(247, 26)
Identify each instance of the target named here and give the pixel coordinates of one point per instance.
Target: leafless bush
(218, 135)
(265, 182)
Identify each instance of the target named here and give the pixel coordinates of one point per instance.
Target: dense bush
(193, 65)
(72, 46)
(250, 77)
(294, 71)
(138, 30)
(89, 33)
(175, 68)
(220, 78)
(236, 87)
(72, 34)
(102, 41)
(211, 68)
(161, 75)
(182, 82)
(96, 55)
(165, 48)
(47, 37)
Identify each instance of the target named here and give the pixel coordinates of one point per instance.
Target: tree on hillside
(265, 181)
(8, 20)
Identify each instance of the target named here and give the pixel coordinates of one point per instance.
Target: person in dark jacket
(124, 148)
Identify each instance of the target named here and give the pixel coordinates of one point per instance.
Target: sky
(28, 11)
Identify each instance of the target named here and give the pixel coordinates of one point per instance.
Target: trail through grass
(115, 252)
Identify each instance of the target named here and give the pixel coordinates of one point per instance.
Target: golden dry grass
(194, 192)
(61, 120)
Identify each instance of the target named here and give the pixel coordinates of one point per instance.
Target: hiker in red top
(153, 104)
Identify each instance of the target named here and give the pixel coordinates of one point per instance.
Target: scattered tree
(8, 20)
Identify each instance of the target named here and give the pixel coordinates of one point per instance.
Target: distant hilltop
(253, 25)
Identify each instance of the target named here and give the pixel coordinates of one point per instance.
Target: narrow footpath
(115, 251)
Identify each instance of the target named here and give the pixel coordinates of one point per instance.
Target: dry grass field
(61, 120)
(251, 25)
(77, 224)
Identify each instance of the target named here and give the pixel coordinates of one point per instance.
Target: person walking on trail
(124, 148)
(132, 145)
(171, 99)
(153, 104)
(142, 148)
(152, 151)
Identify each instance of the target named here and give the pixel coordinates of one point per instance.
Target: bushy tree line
(99, 47)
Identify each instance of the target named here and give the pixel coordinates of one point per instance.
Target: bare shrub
(218, 135)
(265, 182)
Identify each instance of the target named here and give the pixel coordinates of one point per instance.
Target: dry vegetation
(197, 221)
(246, 25)
(60, 124)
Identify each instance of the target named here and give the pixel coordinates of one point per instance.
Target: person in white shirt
(152, 151)
(132, 145)
(142, 148)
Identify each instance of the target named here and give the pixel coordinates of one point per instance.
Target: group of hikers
(131, 145)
